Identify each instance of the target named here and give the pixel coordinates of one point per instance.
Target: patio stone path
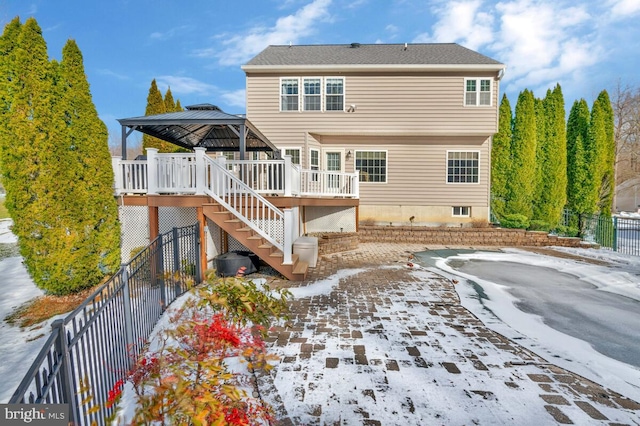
(387, 346)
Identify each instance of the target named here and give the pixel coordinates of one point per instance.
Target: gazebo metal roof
(202, 125)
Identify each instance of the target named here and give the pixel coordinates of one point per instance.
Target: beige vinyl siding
(417, 171)
(404, 104)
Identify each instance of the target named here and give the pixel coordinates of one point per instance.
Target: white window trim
(292, 148)
(477, 105)
(301, 85)
(386, 152)
(324, 94)
(446, 167)
(319, 157)
(280, 93)
(453, 211)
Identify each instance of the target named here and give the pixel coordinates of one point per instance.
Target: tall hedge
(551, 159)
(501, 160)
(607, 154)
(523, 154)
(578, 171)
(53, 165)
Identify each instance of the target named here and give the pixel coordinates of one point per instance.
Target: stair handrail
(244, 203)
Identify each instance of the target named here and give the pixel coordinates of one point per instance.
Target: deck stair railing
(248, 206)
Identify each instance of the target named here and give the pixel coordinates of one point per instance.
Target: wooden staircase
(296, 271)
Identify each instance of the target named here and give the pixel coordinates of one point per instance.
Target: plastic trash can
(307, 250)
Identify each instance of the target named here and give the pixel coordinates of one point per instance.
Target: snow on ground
(500, 313)
(18, 347)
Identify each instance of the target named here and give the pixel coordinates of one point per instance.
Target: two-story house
(415, 120)
(385, 134)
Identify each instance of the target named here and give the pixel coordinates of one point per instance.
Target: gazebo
(203, 125)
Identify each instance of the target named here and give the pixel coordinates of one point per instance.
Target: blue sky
(197, 46)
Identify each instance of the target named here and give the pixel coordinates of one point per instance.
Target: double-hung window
(294, 153)
(372, 166)
(334, 94)
(463, 166)
(289, 94)
(477, 92)
(312, 94)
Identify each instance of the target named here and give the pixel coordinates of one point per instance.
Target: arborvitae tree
(59, 186)
(552, 160)
(607, 156)
(578, 173)
(169, 103)
(88, 163)
(155, 105)
(178, 106)
(539, 200)
(523, 154)
(8, 43)
(29, 169)
(595, 154)
(501, 159)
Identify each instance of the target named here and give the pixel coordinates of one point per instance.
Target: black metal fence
(93, 347)
(620, 234)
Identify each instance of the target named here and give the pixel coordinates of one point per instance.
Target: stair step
(301, 267)
(247, 229)
(264, 246)
(232, 221)
(254, 237)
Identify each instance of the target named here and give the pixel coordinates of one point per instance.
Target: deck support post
(287, 176)
(290, 232)
(117, 175)
(200, 169)
(152, 171)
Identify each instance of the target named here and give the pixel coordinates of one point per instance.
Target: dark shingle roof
(370, 54)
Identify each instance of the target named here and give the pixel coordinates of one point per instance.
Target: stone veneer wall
(464, 236)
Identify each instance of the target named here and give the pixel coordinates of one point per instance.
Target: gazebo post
(242, 146)
(123, 148)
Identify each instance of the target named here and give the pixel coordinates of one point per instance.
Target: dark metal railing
(620, 234)
(94, 346)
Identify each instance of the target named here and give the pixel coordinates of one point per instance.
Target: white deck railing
(178, 174)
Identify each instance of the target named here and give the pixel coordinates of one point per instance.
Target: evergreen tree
(8, 43)
(607, 185)
(155, 105)
(501, 160)
(88, 162)
(577, 158)
(539, 201)
(169, 103)
(596, 155)
(523, 154)
(28, 165)
(178, 106)
(551, 160)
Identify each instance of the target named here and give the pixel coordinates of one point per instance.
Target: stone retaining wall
(336, 242)
(464, 236)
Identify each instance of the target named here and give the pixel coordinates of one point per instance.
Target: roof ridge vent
(203, 107)
(355, 45)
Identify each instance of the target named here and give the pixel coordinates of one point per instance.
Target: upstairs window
(312, 94)
(372, 166)
(334, 94)
(477, 92)
(463, 167)
(289, 94)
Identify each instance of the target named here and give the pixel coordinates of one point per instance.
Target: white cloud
(461, 21)
(236, 98)
(543, 42)
(624, 8)
(184, 85)
(240, 48)
(168, 34)
(110, 73)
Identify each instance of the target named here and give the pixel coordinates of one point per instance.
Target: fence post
(66, 373)
(159, 272)
(615, 233)
(198, 244)
(128, 316)
(176, 263)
